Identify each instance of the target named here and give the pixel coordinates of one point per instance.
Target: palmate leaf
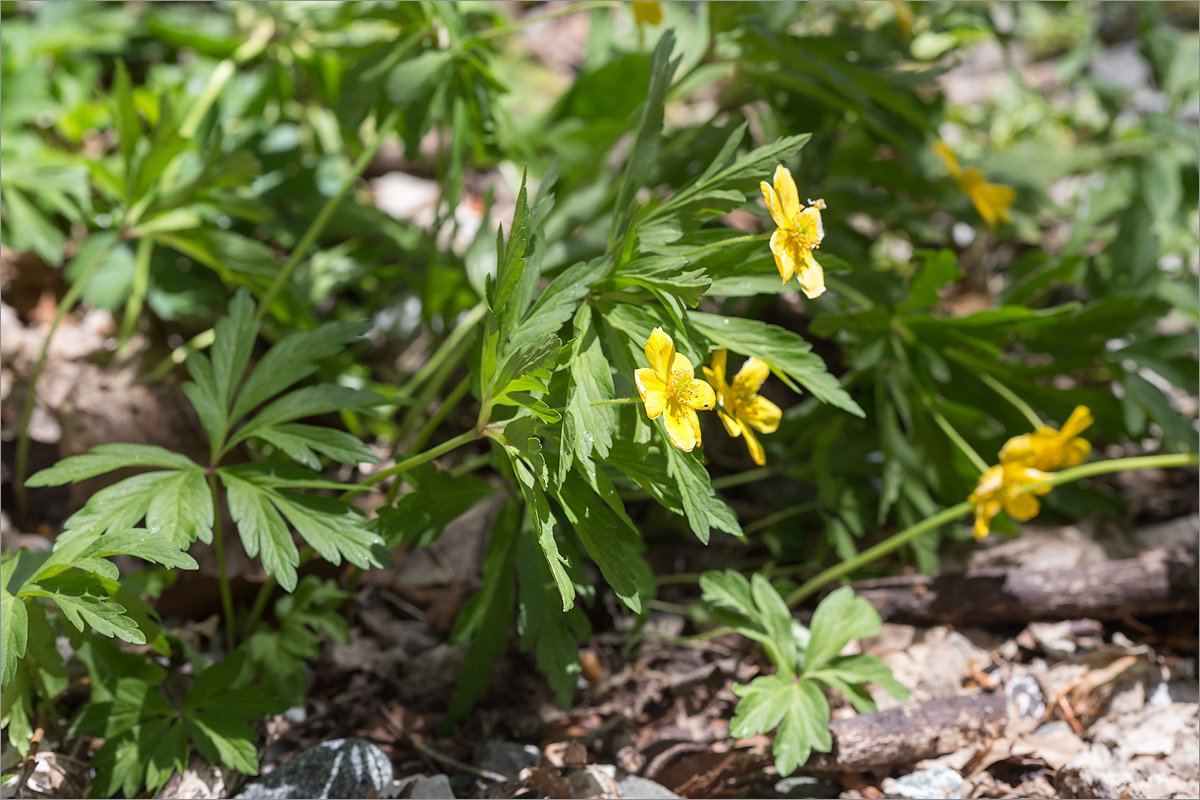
(177, 506)
(786, 352)
(303, 442)
(666, 274)
(261, 497)
(84, 602)
(310, 401)
(558, 302)
(840, 617)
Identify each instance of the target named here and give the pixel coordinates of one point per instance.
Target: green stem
(778, 516)
(219, 553)
(51, 711)
(180, 354)
(619, 402)
(431, 425)
(1008, 394)
(415, 461)
(846, 290)
(470, 465)
(322, 219)
(820, 580)
(448, 348)
(562, 11)
(958, 440)
(137, 292)
(264, 594)
(756, 237)
(724, 482)
(68, 303)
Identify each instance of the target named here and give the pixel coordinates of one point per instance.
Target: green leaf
(644, 152)
(261, 528)
(292, 360)
(487, 615)
(182, 509)
(703, 509)
(666, 274)
(43, 649)
(232, 255)
(799, 710)
(611, 541)
(839, 618)
(436, 498)
(785, 351)
(107, 457)
(145, 544)
(527, 368)
(847, 673)
(544, 627)
(83, 601)
(14, 633)
(124, 504)
(235, 335)
(124, 116)
(589, 420)
(558, 302)
(938, 268)
(202, 392)
(29, 229)
(310, 401)
(510, 258)
(760, 614)
(16, 708)
(303, 442)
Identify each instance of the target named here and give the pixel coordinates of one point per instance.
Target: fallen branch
(911, 733)
(1157, 582)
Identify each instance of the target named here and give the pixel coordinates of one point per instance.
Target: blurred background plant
(155, 157)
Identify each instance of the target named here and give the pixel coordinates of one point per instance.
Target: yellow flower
(799, 233)
(647, 12)
(991, 199)
(670, 387)
(1047, 449)
(997, 488)
(741, 408)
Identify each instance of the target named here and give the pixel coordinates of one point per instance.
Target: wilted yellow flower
(670, 386)
(1047, 449)
(799, 233)
(740, 407)
(991, 199)
(647, 12)
(997, 489)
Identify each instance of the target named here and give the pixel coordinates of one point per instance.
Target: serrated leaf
(201, 392)
(310, 401)
(840, 617)
(182, 509)
(783, 350)
(292, 360)
(543, 523)
(526, 368)
(666, 274)
(558, 302)
(261, 528)
(436, 498)
(14, 634)
(303, 442)
(760, 614)
(847, 673)
(544, 627)
(333, 528)
(610, 540)
(84, 602)
(589, 420)
(798, 709)
(223, 738)
(235, 335)
(106, 458)
(145, 544)
(703, 509)
(123, 504)
(937, 269)
(510, 257)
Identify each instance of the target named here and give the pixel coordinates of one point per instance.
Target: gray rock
(339, 768)
(925, 784)
(423, 787)
(807, 786)
(507, 758)
(643, 789)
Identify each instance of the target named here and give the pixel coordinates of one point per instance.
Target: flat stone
(338, 768)
(421, 787)
(507, 758)
(938, 783)
(633, 786)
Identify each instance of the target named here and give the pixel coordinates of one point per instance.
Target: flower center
(806, 229)
(681, 385)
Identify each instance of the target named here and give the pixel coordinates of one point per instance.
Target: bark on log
(911, 733)
(1158, 582)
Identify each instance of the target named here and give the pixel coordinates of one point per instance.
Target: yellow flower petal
(1075, 452)
(683, 364)
(698, 395)
(810, 275)
(754, 446)
(732, 425)
(647, 12)
(1022, 507)
(773, 204)
(762, 414)
(683, 426)
(751, 376)
(1080, 420)
(785, 255)
(652, 391)
(716, 374)
(785, 187)
(660, 352)
(948, 158)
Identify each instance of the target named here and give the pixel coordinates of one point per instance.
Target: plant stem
(562, 11)
(448, 348)
(264, 594)
(438, 417)
(137, 292)
(618, 402)
(778, 516)
(180, 354)
(51, 711)
(846, 290)
(724, 482)
(820, 580)
(958, 440)
(414, 461)
(755, 237)
(68, 303)
(219, 552)
(322, 219)
(1009, 395)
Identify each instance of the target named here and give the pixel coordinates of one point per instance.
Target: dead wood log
(1157, 582)
(911, 733)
